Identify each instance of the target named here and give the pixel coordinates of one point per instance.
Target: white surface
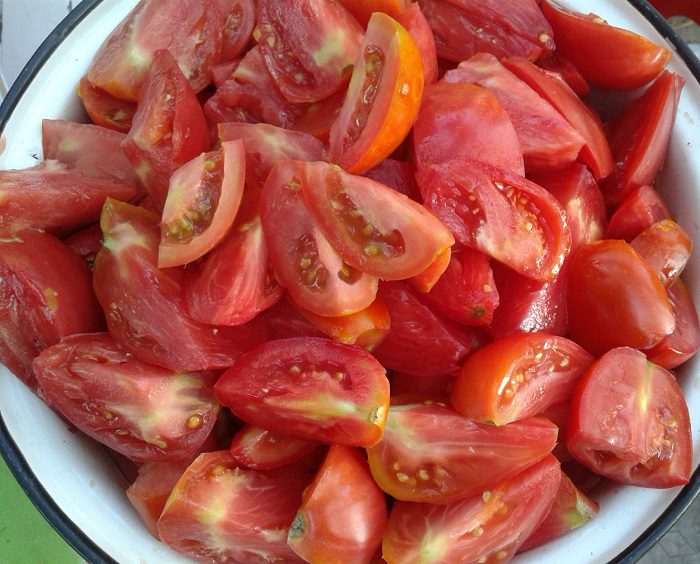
(71, 469)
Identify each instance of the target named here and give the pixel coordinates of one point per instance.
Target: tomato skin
(418, 28)
(112, 397)
(517, 377)
(666, 247)
(463, 28)
(221, 512)
(343, 512)
(586, 40)
(604, 310)
(639, 137)
(464, 121)
(431, 436)
(309, 388)
(106, 110)
(499, 213)
(640, 209)
(504, 517)
(547, 140)
(260, 449)
(403, 239)
(45, 294)
(322, 36)
(144, 305)
(383, 97)
(629, 422)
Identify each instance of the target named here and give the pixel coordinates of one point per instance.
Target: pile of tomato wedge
(337, 281)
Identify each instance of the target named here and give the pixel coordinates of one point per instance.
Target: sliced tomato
(554, 62)
(375, 229)
(666, 247)
(383, 97)
(463, 28)
(464, 121)
(399, 175)
(343, 512)
(86, 243)
(45, 294)
(419, 29)
(283, 321)
(363, 9)
(223, 71)
(629, 422)
(318, 117)
(142, 411)
(639, 137)
(640, 209)
(605, 310)
(683, 343)
(410, 386)
(239, 21)
(169, 127)
(366, 328)
(55, 198)
(304, 261)
(489, 526)
(420, 342)
(144, 305)
(587, 41)
(260, 449)
(221, 511)
(234, 282)
(517, 377)
(596, 152)
(547, 140)
(104, 109)
(203, 199)
(466, 292)
(571, 509)
(579, 194)
(190, 29)
(499, 213)
(308, 46)
(309, 388)
(423, 456)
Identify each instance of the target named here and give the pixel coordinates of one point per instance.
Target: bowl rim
(41, 498)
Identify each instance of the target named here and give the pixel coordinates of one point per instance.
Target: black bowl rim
(43, 501)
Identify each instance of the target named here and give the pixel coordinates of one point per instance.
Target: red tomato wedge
(517, 377)
(374, 228)
(487, 527)
(309, 388)
(308, 46)
(466, 27)
(426, 280)
(203, 199)
(190, 29)
(464, 121)
(587, 40)
(53, 197)
(547, 140)
(239, 21)
(666, 247)
(169, 127)
(343, 512)
(423, 455)
(144, 305)
(639, 137)
(104, 109)
(383, 97)
(304, 261)
(142, 411)
(605, 310)
(551, 86)
(554, 62)
(363, 9)
(629, 422)
(45, 294)
(640, 209)
(499, 213)
(234, 282)
(218, 510)
(260, 449)
(419, 29)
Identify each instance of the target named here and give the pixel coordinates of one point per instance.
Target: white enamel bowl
(78, 488)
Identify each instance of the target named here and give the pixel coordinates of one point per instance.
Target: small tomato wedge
(429, 453)
(309, 388)
(629, 422)
(489, 526)
(666, 246)
(203, 199)
(587, 41)
(374, 228)
(142, 411)
(343, 512)
(260, 449)
(104, 109)
(640, 209)
(517, 377)
(239, 21)
(383, 97)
